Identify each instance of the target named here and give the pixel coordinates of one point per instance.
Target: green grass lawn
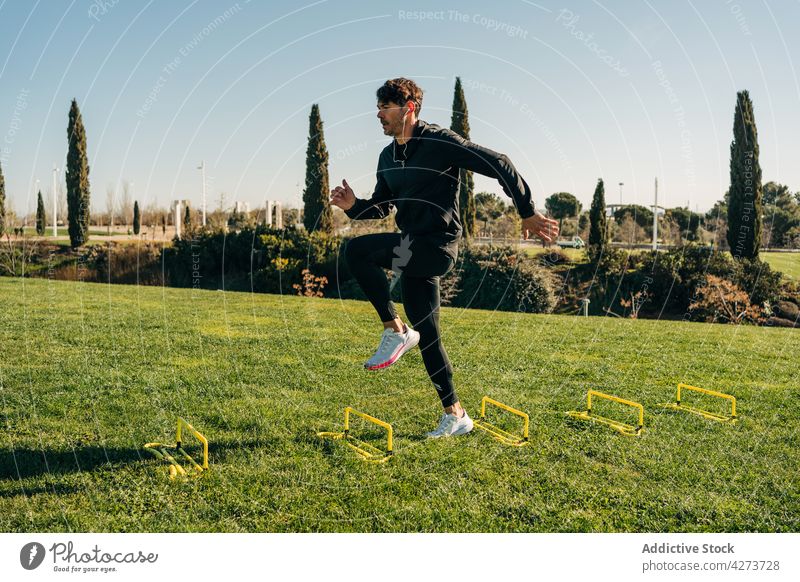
(575, 255)
(89, 373)
(787, 263)
(62, 231)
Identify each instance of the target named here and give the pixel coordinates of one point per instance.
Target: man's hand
(343, 196)
(541, 226)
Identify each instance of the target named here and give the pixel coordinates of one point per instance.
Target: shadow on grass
(53, 489)
(24, 463)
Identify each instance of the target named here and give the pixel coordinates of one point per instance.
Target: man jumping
(419, 174)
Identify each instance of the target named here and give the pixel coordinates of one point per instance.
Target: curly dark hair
(400, 91)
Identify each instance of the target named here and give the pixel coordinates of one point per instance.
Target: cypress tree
(78, 202)
(2, 202)
(318, 214)
(136, 218)
(187, 220)
(598, 229)
(41, 217)
(466, 198)
(744, 204)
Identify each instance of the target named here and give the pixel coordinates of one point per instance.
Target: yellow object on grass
(498, 433)
(366, 451)
(677, 405)
(161, 451)
(626, 429)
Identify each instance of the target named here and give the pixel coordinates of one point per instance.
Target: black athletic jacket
(421, 178)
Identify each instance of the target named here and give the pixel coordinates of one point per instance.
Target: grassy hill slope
(89, 373)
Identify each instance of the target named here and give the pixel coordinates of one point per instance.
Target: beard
(392, 129)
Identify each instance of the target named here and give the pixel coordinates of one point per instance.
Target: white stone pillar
(268, 218)
(178, 218)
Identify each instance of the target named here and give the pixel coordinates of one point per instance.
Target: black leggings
(420, 264)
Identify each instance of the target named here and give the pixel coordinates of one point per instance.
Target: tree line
(750, 215)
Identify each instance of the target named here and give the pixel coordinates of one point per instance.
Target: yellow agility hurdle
(677, 405)
(498, 433)
(161, 451)
(366, 451)
(626, 429)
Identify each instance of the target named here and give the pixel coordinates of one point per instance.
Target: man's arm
(379, 206)
(464, 154)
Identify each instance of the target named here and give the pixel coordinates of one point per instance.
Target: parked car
(575, 243)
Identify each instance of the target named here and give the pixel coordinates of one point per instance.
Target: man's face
(391, 117)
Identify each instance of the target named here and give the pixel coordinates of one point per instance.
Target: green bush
(499, 278)
(604, 275)
(126, 263)
(260, 259)
(692, 264)
(672, 279)
(758, 279)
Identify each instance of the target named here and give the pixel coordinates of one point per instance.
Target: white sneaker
(451, 425)
(392, 346)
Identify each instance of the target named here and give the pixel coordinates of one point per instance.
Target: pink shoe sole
(396, 356)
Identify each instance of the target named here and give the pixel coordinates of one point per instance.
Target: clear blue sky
(571, 91)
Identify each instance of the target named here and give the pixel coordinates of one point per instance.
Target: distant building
(273, 207)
